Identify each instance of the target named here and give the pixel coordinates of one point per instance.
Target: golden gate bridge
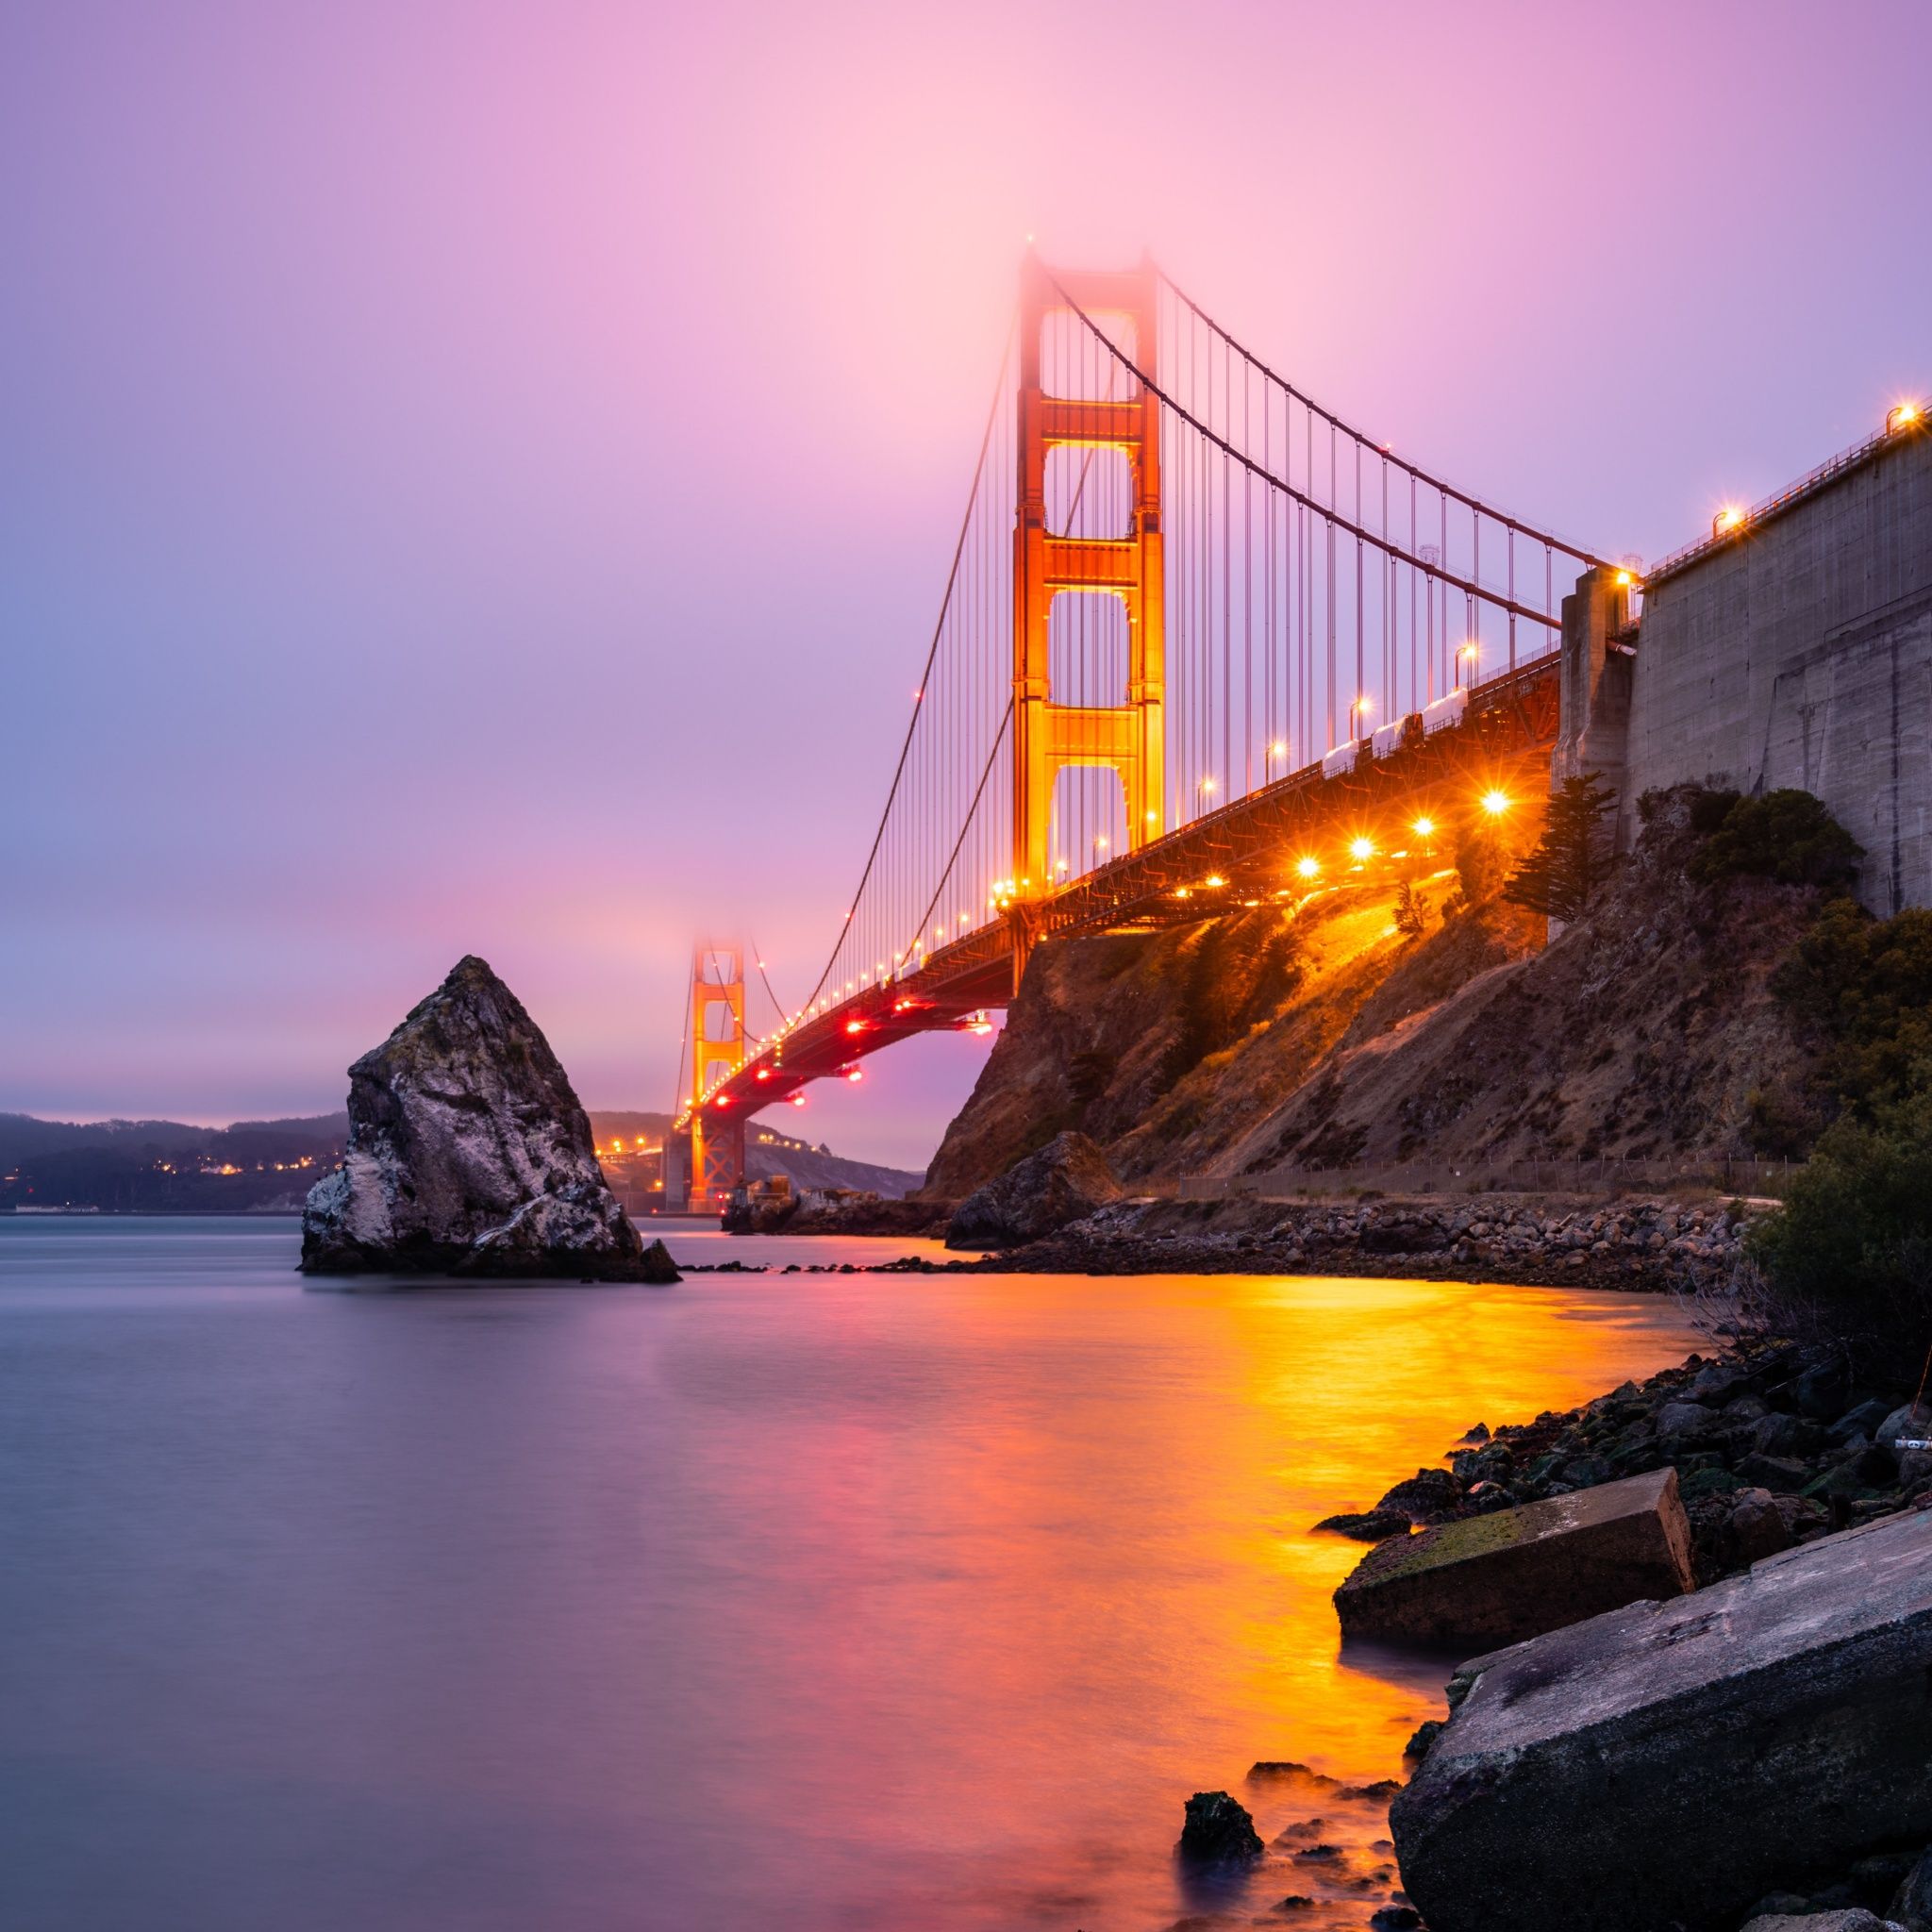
(1202, 644)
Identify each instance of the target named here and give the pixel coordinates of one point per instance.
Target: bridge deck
(1508, 730)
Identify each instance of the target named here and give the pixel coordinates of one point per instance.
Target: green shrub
(1786, 834)
(1709, 806)
(1866, 982)
(1852, 1243)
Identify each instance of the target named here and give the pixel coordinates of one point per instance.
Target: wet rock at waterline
(469, 1155)
(1368, 1526)
(1218, 1831)
(1064, 1181)
(1681, 1760)
(1513, 1573)
(658, 1268)
(1851, 1918)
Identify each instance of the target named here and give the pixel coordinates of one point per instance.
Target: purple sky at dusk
(479, 477)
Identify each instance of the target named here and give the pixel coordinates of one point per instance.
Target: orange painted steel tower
(717, 1044)
(1129, 738)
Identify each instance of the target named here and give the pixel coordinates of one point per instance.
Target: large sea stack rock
(1065, 1180)
(468, 1154)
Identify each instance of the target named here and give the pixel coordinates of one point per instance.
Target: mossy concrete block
(1677, 1761)
(1517, 1573)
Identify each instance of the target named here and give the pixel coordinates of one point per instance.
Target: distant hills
(173, 1167)
(166, 1167)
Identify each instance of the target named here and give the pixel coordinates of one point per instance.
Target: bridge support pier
(1593, 732)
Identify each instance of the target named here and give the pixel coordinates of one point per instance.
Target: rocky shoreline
(1775, 1446)
(1778, 1447)
(1647, 1244)
(1643, 1244)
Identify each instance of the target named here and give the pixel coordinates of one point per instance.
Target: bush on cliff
(1852, 1246)
(1235, 974)
(1786, 834)
(1866, 984)
(1482, 863)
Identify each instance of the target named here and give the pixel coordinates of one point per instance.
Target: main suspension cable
(1332, 517)
(932, 651)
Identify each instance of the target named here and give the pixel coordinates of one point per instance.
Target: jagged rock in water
(1217, 1830)
(1063, 1181)
(469, 1154)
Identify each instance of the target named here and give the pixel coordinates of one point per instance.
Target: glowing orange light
(1308, 868)
(1727, 518)
(1902, 417)
(763, 1074)
(1495, 803)
(1361, 849)
(1622, 580)
(855, 1026)
(1214, 879)
(1424, 828)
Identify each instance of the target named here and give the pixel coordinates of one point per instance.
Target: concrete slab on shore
(1517, 1573)
(1677, 1761)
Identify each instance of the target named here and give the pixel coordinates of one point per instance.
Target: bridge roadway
(1507, 731)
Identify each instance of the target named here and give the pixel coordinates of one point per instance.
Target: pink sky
(480, 478)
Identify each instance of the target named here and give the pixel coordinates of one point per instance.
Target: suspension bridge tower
(717, 1051)
(1086, 400)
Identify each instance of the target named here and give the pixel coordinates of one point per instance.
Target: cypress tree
(1561, 875)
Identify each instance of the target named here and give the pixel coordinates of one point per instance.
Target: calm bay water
(767, 1601)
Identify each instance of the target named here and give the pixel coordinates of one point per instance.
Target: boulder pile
(1672, 1762)
(1773, 1445)
(1062, 1182)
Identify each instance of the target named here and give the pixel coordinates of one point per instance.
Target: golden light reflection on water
(840, 1602)
(1085, 1515)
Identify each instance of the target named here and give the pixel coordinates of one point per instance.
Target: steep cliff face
(1327, 1036)
(468, 1153)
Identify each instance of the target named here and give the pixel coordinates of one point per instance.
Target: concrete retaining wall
(1800, 653)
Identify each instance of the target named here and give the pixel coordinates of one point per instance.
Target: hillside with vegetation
(1691, 1005)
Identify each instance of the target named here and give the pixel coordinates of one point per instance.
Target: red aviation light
(797, 1099)
(763, 1074)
